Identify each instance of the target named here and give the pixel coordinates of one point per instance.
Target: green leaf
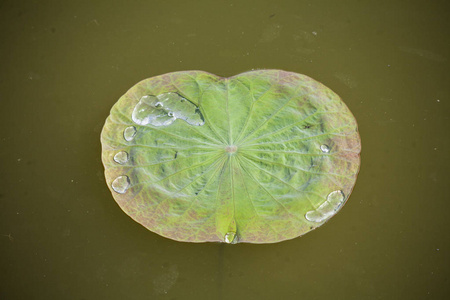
(260, 157)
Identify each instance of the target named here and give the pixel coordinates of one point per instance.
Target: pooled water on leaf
(164, 109)
(129, 133)
(121, 184)
(121, 157)
(229, 237)
(327, 209)
(325, 148)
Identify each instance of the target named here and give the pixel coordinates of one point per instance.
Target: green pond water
(64, 65)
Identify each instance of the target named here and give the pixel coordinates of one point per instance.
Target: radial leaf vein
(221, 161)
(200, 92)
(268, 193)
(249, 157)
(334, 132)
(227, 110)
(251, 200)
(285, 127)
(158, 205)
(232, 189)
(278, 179)
(155, 128)
(115, 165)
(253, 104)
(207, 121)
(181, 171)
(296, 153)
(275, 113)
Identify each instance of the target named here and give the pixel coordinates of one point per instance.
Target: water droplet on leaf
(121, 184)
(129, 133)
(327, 209)
(121, 157)
(229, 237)
(325, 148)
(164, 109)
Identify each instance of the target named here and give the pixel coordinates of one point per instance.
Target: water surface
(64, 65)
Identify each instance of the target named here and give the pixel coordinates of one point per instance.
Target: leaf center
(231, 149)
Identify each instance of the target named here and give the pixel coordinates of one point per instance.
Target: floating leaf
(259, 157)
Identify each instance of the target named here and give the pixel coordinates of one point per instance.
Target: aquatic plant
(259, 157)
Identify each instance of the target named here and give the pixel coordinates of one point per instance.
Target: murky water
(64, 65)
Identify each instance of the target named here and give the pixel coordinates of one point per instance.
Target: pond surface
(62, 235)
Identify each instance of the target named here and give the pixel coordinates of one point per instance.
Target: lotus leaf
(260, 157)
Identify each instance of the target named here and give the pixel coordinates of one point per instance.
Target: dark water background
(65, 63)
